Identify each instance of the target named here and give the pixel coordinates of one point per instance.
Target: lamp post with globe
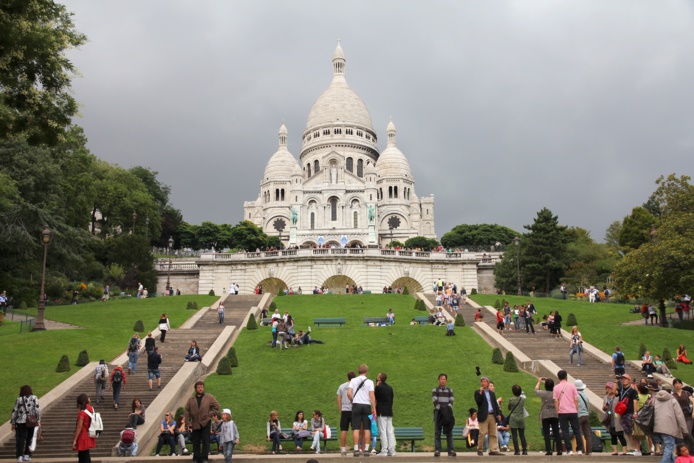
(46, 237)
(516, 241)
(168, 275)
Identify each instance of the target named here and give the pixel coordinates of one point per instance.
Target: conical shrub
(224, 367)
(252, 324)
(233, 360)
(405, 291)
(189, 306)
(642, 350)
(497, 304)
(272, 307)
(82, 359)
(571, 320)
(63, 364)
(139, 326)
(195, 305)
(668, 360)
(510, 364)
(497, 356)
(211, 293)
(459, 320)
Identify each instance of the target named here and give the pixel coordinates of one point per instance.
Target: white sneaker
(569, 453)
(185, 451)
(20, 459)
(27, 458)
(579, 452)
(637, 453)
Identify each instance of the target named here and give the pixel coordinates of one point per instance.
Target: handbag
(327, 433)
(621, 407)
(645, 418)
(32, 420)
(163, 327)
(466, 432)
(303, 434)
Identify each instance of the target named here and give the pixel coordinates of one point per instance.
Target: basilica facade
(343, 191)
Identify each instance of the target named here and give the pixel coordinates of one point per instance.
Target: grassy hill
(307, 378)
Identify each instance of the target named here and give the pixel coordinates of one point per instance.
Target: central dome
(339, 102)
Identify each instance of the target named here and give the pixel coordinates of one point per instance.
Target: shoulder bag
(31, 419)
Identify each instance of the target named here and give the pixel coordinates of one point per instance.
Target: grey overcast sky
(501, 107)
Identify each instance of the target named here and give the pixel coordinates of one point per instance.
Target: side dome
(391, 162)
(339, 102)
(282, 164)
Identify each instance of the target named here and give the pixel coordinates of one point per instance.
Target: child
(450, 329)
(317, 426)
(229, 436)
(683, 454)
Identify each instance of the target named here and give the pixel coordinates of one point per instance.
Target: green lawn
(603, 326)
(307, 378)
(107, 327)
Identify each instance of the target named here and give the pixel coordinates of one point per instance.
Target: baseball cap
(626, 375)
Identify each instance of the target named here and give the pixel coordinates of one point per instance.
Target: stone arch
(336, 283)
(332, 243)
(272, 285)
(412, 285)
(308, 244)
(354, 243)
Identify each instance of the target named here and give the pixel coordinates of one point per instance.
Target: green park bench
(409, 434)
(324, 442)
(422, 320)
(329, 321)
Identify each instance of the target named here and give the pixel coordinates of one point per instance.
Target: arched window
(390, 192)
(350, 164)
(316, 166)
(313, 220)
(360, 168)
(395, 192)
(308, 169)
(282, 194)
(381, 191)
(333, 209)
(356, 219)
(277, 194)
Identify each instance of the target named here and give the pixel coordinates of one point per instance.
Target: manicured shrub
(139, 326)
(405, 291)
(23, 305)
(189, 306)
(571, 321)
(211, 293)
(642, 350)
(668, 360)
(459, 320)
(497, 304)
(63, 364)
(82, 359)
(497, 356)
(233, 360)
(252, 324)
(180, 411)
(272, 307)
(280, 292)
(503, 302)
(224, 367)
(510, 364)
(420, 305)
(473, 292)
(195, 305)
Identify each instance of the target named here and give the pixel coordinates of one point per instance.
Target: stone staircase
(594, 372)
(58, 423)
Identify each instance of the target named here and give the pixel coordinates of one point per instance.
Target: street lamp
(134, 219)
(45, 239)
(168, 276)
(516, 241)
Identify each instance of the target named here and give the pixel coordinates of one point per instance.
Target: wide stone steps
(541, 346)
(58, 424)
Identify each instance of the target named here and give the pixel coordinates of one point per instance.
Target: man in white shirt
(361, 394)
(345, 407)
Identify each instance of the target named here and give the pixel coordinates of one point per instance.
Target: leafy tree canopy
(421, 242)
(35, 74)
(636, 228)
(478, 235)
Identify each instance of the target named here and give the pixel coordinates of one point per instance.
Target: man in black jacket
(384, 410)
(442, 396)
(487, 414)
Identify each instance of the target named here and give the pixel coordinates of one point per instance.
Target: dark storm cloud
(501, 108)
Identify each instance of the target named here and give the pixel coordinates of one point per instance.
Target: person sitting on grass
(193, 352)
(682, 355)
(306, 338)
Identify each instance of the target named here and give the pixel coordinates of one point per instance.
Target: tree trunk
(661, 308)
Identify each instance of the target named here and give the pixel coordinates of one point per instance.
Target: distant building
(342, 191)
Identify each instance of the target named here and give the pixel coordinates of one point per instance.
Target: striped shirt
(442, 396)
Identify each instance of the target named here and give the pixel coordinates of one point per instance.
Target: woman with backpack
(81, 441)
(164, 326)
(118, 380)
(26, 416)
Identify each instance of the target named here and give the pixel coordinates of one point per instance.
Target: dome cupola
(282, 164)
(391, 162)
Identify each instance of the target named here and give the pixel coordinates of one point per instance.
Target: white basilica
(342, 192)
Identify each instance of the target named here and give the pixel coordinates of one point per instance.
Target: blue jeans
(132, 360)
(228, 451)
(274, 338)
(577, 350)
(668, 448)
(221, 318)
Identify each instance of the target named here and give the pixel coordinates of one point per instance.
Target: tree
(246, 235)
(612, 233)
(544, 253)
(421, 242)
(478, 235)
(636, 228)
(506, 269)
(588, 262)
(35, 74)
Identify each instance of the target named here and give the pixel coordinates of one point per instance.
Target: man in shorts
(153, 362)
(361, 393)
(345, 407)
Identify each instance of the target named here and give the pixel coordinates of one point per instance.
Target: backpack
(133, 345)
(96, 427)
(118, 376)
(128, 436)
(621, 407)
(103, 374)
(619, 361)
